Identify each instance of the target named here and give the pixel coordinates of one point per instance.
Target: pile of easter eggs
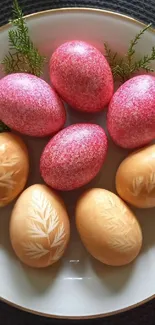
(39, 224)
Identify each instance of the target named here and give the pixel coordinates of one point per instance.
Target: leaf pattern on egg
(123, 244)
(43, 221)
(35, 250)
(58, 253)
(150, 184)
(140, 183)
(137, 185)
(115, 222)
(58, 239)
(110, 203)
(6, 179)
(9, 162)
(114, 217)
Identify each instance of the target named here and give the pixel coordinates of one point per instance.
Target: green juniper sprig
(124, 66)
(23, 56)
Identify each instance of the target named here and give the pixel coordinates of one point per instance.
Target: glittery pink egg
(30, 106)
(131, 113)
(74, 156)
(82, 76)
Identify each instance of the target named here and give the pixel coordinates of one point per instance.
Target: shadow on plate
(5, 214)
(75, 116)
(114, 278)
(40, 279)
(146, 219)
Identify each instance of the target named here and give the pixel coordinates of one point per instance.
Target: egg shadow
(40, 279)
(34, 157)
(5, 214)
(146, 218)
(106, 176)
(77, 257)
(74, 116)
(115, 278)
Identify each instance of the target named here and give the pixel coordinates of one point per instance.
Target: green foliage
(124, 66)
(23, 56)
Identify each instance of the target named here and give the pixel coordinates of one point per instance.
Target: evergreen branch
(124, 66)
(131, 50)
(23, 56)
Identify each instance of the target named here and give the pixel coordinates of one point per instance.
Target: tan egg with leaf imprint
(108, 228)
(39, 227)
(135, 178)
(14, 167)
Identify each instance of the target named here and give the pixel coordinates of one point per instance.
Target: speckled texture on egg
(82, 76)
(131, 114)
(74, 156)
(29, 105)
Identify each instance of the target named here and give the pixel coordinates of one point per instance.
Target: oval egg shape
(74, 156)
(135, 178)
(39, 227)
(14, 167)
(107, 227)
(82, 76)
(131, 113)
(30, 106)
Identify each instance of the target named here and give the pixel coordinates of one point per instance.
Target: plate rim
(113, 313)
(84, 9)
(140, 24)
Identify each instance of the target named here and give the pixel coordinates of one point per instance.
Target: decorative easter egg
(14, 167)
(135, 178)
(39, 227)
(30, 106)
(74, 156)
(131, 114)
(107, 227)
(82, 76)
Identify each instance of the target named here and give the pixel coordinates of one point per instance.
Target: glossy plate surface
(79, 286)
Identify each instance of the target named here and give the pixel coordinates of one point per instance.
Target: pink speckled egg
(131, 113)
(73, 156)
(30, 106)
(82, 76)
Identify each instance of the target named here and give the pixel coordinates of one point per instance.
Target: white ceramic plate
(79, 286)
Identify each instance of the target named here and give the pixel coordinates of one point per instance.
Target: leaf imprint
(43, 221)
(6, 180)
(137, 185)
(35, 250)
(150, 184)
(44, 217)
(9, 162)
(58, 239)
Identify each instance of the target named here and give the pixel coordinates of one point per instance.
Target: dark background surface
(143, 10)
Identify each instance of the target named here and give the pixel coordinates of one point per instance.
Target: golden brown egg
(14, 167)
(107, 227)
(135, 178)
(39, 227)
